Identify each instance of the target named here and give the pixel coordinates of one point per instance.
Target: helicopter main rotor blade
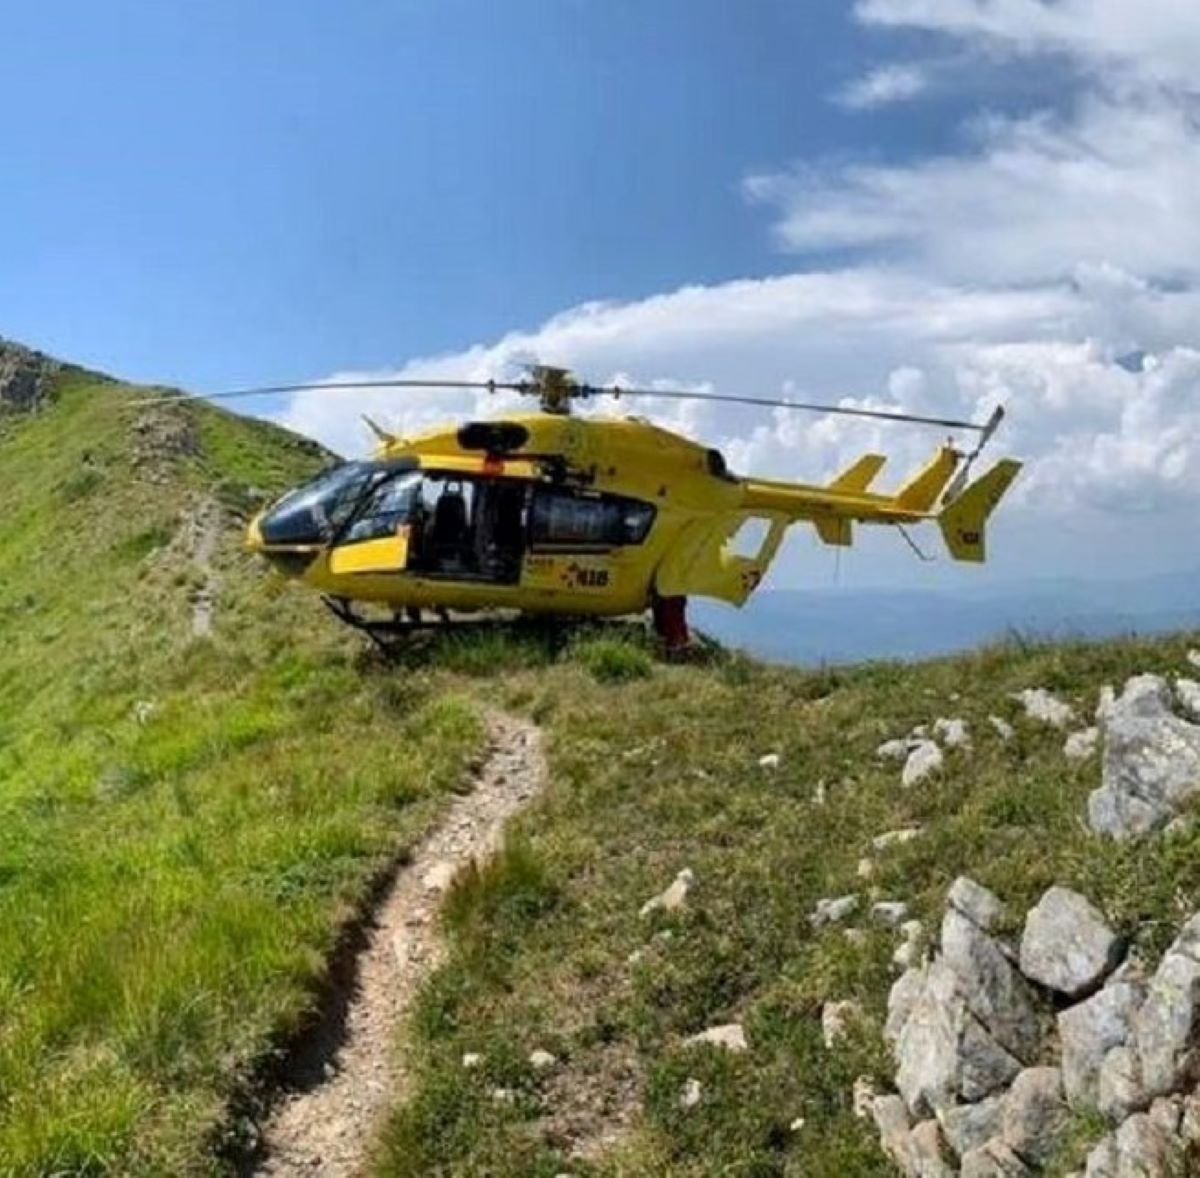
(805, 406)
(582, 391)
(336, 386)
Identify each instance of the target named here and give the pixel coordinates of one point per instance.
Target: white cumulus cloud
(884, 86)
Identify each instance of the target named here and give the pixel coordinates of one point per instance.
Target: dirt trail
(205, 532)
(326, 1121)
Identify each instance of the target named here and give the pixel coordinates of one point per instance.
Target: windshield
(313, 513)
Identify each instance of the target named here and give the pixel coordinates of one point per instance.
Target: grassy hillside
(196, 779)
(200, 775)
(659, 770)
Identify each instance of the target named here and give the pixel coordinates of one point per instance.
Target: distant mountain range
(853, 625)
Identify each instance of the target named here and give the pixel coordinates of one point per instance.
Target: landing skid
(385, 633)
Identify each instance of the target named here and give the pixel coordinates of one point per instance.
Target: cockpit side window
(388, 507)
(313, 513)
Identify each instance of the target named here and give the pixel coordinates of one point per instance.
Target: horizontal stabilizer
(920, 493)
(858, 477)
(835, 530)
(964, 521)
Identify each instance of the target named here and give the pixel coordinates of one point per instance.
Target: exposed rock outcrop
(25, 377)
(1151, 763)
(983, 1078)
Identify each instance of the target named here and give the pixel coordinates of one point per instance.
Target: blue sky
(938, 205)
(222, 192)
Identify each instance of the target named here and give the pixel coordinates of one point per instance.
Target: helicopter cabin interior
(479, 528)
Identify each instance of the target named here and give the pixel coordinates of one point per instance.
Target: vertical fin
(921, 492)
(964, 521)
(857, 478)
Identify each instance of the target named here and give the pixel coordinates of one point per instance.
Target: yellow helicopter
(553, 513)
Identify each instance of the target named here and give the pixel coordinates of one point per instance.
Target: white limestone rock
(889, 913)
(1193, 658)
(1002, 727)
(995, 992)
(690, 1096)
(541, 1060)
(941, 1049)
(993, 1160)
(674, 897)
(893, 750)
(833, 910)
(1090, 1029)
(953, 733)
(895, 838)
(980, 906)
(902, 998)
(730, 1036)
(1151, 764)
(1164, 1027)
(923, 762)
(1035, 1115)
(1067, 944)
(769, 761)
(1082, 745)
(907, 953)
(1039, 704)
(1187, 691)
(968, 1127)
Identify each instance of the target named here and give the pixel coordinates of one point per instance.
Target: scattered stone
(837, 1019)
(833, 911)
(902, 998)
(891, 1119)
(541, 1060)
(895, 838)
(1188, 693)
(889, 913)
(995, 992)
(1119, 1090)
(1193, 658)
(1039, 704)
(865, 868)
(1067, 944)
(925, 760)
(981, 907)
(1002, 727)
(925, 1150)
(674, 897)
(893, 750)
(769, 761)
(471, 1060)
(1082, 745)
(970, 1126)
(906, 954)
(1151, 766)
(855, 936)
(503, 1096)
(690, 1097)
(1035, 1115)
(820, 794)
(1164, 1026)
(1141, 1147)
(954, 734)
(797, 1125)
(730, 1036)
(1089, 1030)
(993, 1160)
(943, 1052)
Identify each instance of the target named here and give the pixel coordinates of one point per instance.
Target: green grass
(654, 773)
(183, 823)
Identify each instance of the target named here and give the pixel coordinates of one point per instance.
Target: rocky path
(326, 1122)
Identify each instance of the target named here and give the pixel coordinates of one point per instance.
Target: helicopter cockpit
(459, 526)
